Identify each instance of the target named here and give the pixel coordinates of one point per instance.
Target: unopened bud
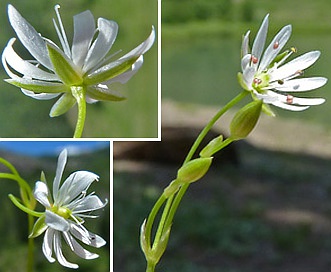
(245, 120)
(193, 170)
(212, 147)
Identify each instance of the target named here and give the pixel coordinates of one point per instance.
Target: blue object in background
(52, 148)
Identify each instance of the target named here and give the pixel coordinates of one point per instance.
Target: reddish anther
(289, 99)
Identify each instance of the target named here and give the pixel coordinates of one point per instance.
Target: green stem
(30, 263)
(172, 204)
(79, 93)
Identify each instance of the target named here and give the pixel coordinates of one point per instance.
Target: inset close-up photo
(86, 68)
(56, 199)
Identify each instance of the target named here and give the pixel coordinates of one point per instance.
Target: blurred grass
(13, 225)
(21, 116)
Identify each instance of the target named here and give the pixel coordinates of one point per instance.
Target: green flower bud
(193, 170)
(212, 147)
(245, 120)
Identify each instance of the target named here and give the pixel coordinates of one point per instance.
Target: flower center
(61, 211)
(260, 81)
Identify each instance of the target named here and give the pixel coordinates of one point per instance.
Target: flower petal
(299, 85)
(289, 107)
(59, 254)
(24, 67)
(275, 46)
(62, 105)
(87, 204)
(39, 96)
(29, 37)
(245, 45)
(84, 29)
(86, 237)
(103, 43)
(295, 66)
(48, 244)
(77, 183)
(41, 194)
(260, 39)
(77, 248)
(56, 222)
(61, 162)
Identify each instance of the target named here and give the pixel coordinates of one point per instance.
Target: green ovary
(61, 211)
(260, 81)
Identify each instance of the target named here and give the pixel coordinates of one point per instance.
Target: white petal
(41, 193)
(77, 248)
(272, 51)
(86, 237)
(84, 28)
(260, 39)
(124, 77)
(245, 44)
(59, 254)
(308, 101)
(101, 46)
(289, 107)
(56, 222)
(245, 62)
(77, 183)
(29, 37)
(299, 85)
(40, 96)
(48, 244)
(24, 67)
(298, 64)
(248, 76)
(62, 160)
(87, 204)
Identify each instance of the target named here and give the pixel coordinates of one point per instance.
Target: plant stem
(174, 201)
(30, 263)
(79, 93)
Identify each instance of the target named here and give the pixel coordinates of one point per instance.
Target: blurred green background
(271, 211)
(13, 223)
(21, 116)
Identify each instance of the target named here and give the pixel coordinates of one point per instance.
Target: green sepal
(62, 105)
(110, 71)
(39, 227)
(63, 66)
(38, 86)
(99, 94)
(245, 120)
(172, 188)
(43, 177)
(267, 110)
(241, 81)
(193, 170)
(212, 147)
(25, 209)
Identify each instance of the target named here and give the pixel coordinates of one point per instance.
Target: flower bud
(245, 120)
(212, 147)
(193, 170)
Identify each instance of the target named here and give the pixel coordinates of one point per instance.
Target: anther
(254, 59)
(294, 50)
(257, 81)
(289, 99)
(276, 45)
(280, 82)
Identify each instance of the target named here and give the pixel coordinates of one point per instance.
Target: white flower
(56, 73)
(65, 212)
(269, 79)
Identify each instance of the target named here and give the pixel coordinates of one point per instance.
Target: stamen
(299, 73)
(257, 81)
(294, 49)
(280, 82)
(276, 45)
(62, 35)
(289, 99)
(254, 59)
